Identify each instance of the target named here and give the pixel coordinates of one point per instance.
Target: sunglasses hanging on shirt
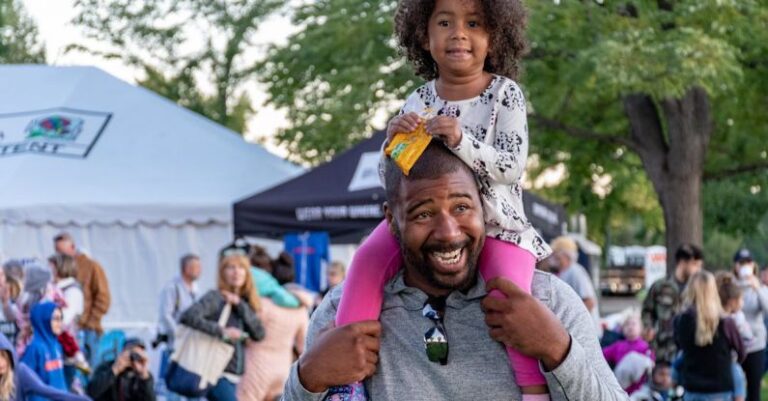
(435, 339)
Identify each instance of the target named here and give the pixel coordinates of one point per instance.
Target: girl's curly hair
(505, 21)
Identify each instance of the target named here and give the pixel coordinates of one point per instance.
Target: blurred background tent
(137, 180)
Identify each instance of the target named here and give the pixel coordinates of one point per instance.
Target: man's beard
(420, 262)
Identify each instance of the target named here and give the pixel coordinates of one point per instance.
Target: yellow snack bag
(406, 147)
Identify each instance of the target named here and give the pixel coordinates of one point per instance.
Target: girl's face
(458, 39)
(4, 363)
(234, 275)
(56, 319)
(632, 328)
(734, 305)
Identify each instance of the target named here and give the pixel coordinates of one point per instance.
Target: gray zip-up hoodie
(478, 368)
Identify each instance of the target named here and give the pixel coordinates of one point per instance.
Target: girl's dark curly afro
(505, 21)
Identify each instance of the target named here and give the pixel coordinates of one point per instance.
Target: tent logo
(55, 127)
(60, 132)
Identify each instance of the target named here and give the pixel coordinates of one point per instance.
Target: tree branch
(734, 171)
(582, 133)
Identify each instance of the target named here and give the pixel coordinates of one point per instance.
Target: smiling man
(439, 336)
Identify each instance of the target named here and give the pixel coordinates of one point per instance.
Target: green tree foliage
(336, 76)
(183, 46)
(19, 42)
(648, 104)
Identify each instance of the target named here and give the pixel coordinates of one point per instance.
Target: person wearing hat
(125, 379)
(755, 308)
(565, 254)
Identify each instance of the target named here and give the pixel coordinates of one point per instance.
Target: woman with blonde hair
(236, 288)
(706, 337)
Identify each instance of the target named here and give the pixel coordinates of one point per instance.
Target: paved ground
(613, 304)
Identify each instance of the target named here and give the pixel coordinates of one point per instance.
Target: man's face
(192, 269)
(691, 267)
(439, 224)
(65, 247)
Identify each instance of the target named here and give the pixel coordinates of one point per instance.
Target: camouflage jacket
(660, 306)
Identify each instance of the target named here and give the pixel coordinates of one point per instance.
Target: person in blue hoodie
(44, 354)
(19, 383)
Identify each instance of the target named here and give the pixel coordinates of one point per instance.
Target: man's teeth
(448, 257)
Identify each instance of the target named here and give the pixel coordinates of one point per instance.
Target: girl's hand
(231, 298)
(232, 333)
(446, 129)
(404, 123)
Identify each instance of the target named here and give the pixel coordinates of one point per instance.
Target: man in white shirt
(566, 253)
(177, 295)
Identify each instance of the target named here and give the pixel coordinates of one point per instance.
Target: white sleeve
(504, 161)
(74, 299)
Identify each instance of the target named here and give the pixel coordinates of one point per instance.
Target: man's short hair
(566, 245)
(435, 162)
(186, 259)
(63, 236)
(688, 252)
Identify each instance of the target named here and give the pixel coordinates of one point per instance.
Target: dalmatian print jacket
(494, 144)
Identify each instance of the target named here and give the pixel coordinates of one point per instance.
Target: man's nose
(447, 228)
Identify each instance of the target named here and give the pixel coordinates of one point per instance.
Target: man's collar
(412, 298)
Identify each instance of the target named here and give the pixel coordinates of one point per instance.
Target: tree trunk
(674, 161)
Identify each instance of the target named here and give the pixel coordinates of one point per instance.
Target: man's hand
(140, 366)
(446, 129)
(523, 323)
(122, 363)
(402, 124)
(341, 355)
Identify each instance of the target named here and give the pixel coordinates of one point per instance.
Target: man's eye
(462, 208)
(423, 215)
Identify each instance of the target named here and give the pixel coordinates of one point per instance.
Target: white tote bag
(203, 354)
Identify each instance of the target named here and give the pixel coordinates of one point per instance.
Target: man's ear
(389, 215)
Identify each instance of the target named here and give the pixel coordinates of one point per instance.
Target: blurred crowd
(698, 335)
(53, 346)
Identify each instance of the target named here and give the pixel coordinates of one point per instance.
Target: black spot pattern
(509, 236)
(513, 98)
(478, 132)
(427, 96)
(508, 142)
(504, 162)
(450, 110)
(486, 97)
(480, 169)
(539, 248)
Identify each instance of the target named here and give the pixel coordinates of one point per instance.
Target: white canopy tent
(137, 180)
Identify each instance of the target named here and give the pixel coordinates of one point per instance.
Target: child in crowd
(732, 300)
(469, 52)
(661, 387)
(632, 342)
(44, 354)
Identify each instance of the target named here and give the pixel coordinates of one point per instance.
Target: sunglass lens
(436, 345)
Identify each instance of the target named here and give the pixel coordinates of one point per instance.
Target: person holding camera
(125, 379)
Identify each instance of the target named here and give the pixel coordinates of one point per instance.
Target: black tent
(344, 197)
